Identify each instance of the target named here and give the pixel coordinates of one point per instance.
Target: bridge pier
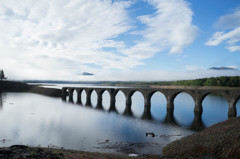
(128, 95)
(147, 107)
(170, 109)
(99, 99)
(79, 96)
(197, 123)
(198, 108)
(71, 95)
(128, 110)
(112, 101)
(88, 97)
(64, 94)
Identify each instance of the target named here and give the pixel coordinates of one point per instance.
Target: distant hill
(86, 74)
(224, 69)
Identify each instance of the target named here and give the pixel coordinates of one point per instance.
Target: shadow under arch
(120, 103)
(183, 109)
(106, 98)
(137, 104)
(215, 107)
(158, 106)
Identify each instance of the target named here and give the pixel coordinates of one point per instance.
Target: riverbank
(22, 151)
(221, 140)
(12, 86)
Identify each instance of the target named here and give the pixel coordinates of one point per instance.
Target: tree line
(226, 81)
(233, 81)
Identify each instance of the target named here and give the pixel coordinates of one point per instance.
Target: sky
(119, 39)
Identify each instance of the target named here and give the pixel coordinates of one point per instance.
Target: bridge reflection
(196, 125)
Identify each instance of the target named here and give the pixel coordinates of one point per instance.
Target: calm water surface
(33, 119)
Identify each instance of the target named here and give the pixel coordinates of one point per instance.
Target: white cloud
(60, 38)
(170, 27)
(228, 21)
(232, 37)
(233, 66)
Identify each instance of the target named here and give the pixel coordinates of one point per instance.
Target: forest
(226, 81)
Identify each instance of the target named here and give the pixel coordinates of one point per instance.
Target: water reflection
(136, 109)
(120, 102)
(215, 108)
(106, 101)
(38, 120)
(158, 106)
(184, 109)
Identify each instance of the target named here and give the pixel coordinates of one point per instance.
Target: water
(37, 120)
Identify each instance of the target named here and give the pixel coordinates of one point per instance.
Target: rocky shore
(25, 152)
(221, 140)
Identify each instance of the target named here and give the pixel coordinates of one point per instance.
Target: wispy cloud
(231, 37)
(170, 27)
(61, 38)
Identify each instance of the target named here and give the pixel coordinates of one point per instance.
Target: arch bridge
(231, 94)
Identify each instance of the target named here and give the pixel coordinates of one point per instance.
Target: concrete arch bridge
(231, 94)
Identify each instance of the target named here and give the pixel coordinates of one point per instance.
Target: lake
(37, 120)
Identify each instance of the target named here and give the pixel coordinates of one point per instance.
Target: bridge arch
(215, 106)
(137, 107)
(106, 100)
(158, 105)
(94, 98)
(120, 101)
(83, 97)
(184, 105)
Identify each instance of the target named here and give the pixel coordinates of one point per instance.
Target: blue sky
(119, 39)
